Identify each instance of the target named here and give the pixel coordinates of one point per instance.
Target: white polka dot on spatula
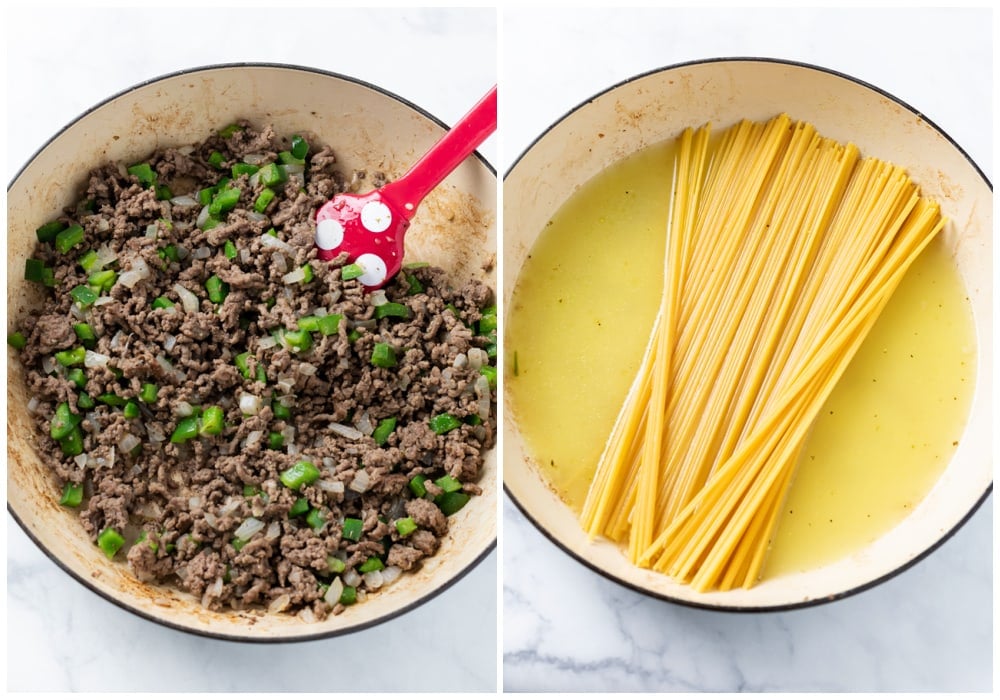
(374, 268)
(329, 234)
(376, 217)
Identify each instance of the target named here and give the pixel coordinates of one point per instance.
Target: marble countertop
(62, 637)
(568, 629)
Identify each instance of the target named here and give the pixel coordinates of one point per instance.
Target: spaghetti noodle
(782, 249)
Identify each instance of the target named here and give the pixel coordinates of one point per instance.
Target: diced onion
(201, 253)
(364, 423)
(461, 360)
(307, 615)
(48, 364)
(202, 216)
(253, 438)
(249, 404)
(285, 384)
(101, 301)
(328, 462)
(182, 252)
(274, 242)
(128, 442)
(379, 298)
(361, 481)
(267, 342)
(482, 387)
(248, 528)
(103, 224)
(477, 358)
(279, 261)
(168, 368)
(373, 579)
(483, 394)
(296, 275)
(169, 341)
(306, 369)
(294, 168)
(352, 578)
(346, 431)
(256, 216)
(330, 486)
(188, 300)
(95, 359)
(183, 409)
(213, 591)
(117, 341)
(390, 574)
(186, 150)
(245, 255)
(150, 509)
(280, 603)
(211, 519)
(81, 460)
(231, 505)
(194, 502)
(184, 200)
(151, 231)
(333, 593)
(130, 278)
(105, 256)
(254, 158)
(273, 530)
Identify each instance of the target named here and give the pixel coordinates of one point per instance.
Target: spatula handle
(447, 154)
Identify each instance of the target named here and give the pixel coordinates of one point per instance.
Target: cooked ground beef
(195, 323)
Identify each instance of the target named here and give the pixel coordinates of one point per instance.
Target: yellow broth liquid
(580, 316)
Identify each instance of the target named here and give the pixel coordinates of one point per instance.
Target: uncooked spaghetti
(782, 249)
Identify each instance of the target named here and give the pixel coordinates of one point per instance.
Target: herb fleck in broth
(580, 317)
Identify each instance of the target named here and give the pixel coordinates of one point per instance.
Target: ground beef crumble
(178, 502)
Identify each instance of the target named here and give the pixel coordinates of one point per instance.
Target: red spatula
(370, 227)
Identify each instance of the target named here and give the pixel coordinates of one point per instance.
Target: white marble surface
(60, 62)
(567, 629)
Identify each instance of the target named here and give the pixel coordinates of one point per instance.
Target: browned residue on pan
(451, 229)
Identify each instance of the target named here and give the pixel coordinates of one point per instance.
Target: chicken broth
(580, 317)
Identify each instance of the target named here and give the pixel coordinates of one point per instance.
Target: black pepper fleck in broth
(225, 412)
